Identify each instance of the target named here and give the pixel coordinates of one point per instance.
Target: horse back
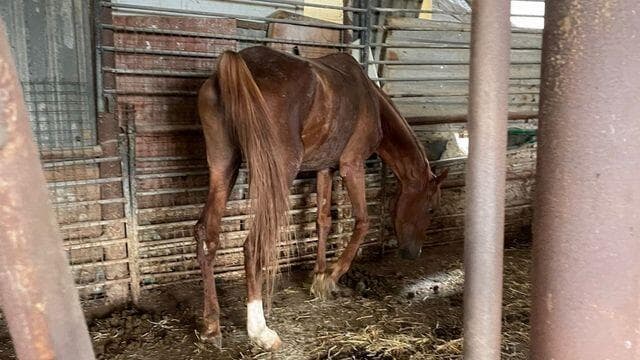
(321, 101)
(343, 107)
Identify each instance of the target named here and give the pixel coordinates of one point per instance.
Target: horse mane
(246, 112)
(400, 125)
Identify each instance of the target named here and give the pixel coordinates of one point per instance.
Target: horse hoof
(211, 335)
(323, 287)
(267, 339)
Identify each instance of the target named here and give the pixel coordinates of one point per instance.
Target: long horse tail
(246, 112)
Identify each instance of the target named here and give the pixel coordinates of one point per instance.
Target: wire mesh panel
(60, 113)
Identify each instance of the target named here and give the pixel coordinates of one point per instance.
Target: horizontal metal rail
(236, 187)
(168, 158)
(241, 234)
(84, 239)
(86, 224)
(419, 11)
(302, 4)
(83, 244)
(282, 263)
(89, 202)
(67, 183)
(104, 283)
(167, 73)
(240, 249)
(242, 217)
(207, 35)
(171, 174)
(99, 263)
(160, 52)
(53, 164)
(167, 243)
(434, 45)
(428, 28)
(230, 16)
(516, 81)
(151, 93)
(416, 11)
(191, 256)
(442, 63)
(234, 203)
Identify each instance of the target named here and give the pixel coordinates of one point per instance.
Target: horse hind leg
(257, 328)
(322, 287)
(207, 232)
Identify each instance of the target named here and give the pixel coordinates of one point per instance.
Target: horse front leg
(353, 174)
(323, 226)
(207, 232)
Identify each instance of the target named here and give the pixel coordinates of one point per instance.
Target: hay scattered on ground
(390, 310)
(424, 320)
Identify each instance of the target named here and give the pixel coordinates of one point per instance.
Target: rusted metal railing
(486, 175)
(587, 211)
(37, 294)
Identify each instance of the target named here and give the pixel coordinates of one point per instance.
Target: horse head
(413, 209)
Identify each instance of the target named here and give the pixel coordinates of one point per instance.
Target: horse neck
(401, 150)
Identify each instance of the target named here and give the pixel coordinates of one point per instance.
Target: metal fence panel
(128, 187)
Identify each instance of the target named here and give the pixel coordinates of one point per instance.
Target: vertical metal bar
(132, 233)
(587, 210)
(123, 145)
(365, 38)
(97, 28)
(37, 293)
(383, 205)
(485, 179)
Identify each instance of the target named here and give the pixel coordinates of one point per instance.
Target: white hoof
(266, 339)
(257, 328)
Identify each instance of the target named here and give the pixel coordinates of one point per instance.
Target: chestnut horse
(288, 114)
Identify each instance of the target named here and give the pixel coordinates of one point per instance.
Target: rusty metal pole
(37, 294)
(587, 210)
(486, 173)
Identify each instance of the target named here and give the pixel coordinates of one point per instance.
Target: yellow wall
(333, 15)
(426, 5)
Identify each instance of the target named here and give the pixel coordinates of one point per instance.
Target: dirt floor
(388, 309)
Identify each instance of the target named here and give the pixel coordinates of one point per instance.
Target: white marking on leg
(257, 327)
(255, 318)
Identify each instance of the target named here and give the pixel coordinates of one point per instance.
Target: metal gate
(151, 60)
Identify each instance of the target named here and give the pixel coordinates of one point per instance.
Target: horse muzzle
(410, 252)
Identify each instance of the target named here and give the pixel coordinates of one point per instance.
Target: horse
(288, 114)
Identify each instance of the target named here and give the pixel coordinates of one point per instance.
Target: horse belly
(325, 156)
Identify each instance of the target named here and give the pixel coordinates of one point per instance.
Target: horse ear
(440, 178)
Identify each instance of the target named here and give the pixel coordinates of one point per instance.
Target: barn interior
(110, 88)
